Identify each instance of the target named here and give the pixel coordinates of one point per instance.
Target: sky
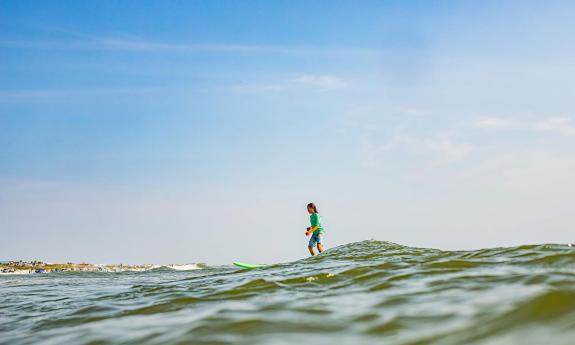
(197, 131)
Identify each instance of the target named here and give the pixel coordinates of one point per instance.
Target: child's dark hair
(312, 206)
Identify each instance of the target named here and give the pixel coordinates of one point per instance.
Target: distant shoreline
(26, 268)
(20, 268)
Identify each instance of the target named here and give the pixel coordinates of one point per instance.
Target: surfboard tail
(246, 265)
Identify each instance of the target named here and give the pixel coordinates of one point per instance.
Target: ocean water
(368, 292)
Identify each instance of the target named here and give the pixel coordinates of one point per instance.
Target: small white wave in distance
(182, 267)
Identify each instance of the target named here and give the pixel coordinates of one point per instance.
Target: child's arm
(310, 230)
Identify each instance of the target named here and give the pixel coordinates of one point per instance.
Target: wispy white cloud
(444, 147)
(560, 125)
(152, 46)
(85, 42)
(413, 111)
(67, 94)
(433, 150)
(123, 41)
(321, 81)
(493, 123)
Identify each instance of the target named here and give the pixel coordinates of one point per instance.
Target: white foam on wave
(181, 267)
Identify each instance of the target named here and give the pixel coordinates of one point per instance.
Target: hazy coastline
(38, 267)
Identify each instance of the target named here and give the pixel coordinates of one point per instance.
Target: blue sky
(185, 131)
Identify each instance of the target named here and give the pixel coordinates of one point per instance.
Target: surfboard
(245, 265)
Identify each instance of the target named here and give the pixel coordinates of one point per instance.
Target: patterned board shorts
(315, 239)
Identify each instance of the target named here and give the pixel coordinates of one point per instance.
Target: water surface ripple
(361, 293)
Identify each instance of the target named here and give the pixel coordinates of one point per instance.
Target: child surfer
(316, 229)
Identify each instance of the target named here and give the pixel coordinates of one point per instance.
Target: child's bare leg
(311, 251)
(320, 247)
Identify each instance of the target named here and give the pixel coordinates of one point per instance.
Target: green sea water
(368, 292)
